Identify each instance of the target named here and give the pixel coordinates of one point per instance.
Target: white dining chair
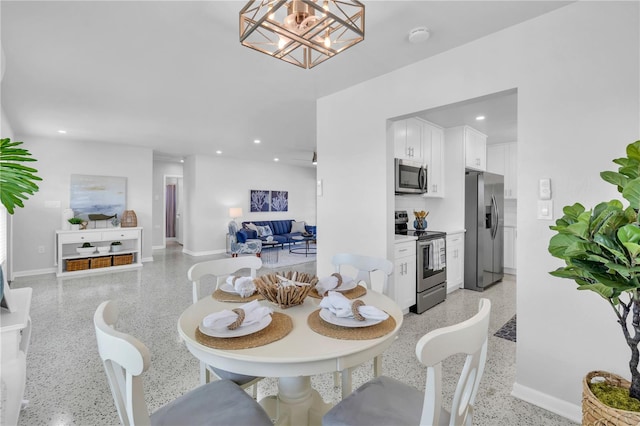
(387, 401)
(364, 265)
(220, 269)
(125, 359)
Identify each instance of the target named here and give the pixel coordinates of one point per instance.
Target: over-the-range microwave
(410, 177)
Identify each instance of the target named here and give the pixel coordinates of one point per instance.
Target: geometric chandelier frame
(302, 32)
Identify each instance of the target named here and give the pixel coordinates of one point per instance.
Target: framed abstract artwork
(98, 194)
(279, 201)
(259, 201)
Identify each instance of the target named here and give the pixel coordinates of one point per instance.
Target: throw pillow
(251, 226)
(297, 226)
(264, 231)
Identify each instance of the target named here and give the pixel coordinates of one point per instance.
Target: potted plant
(75, 223)
(601, 249)
(17, 181)
(116, 246)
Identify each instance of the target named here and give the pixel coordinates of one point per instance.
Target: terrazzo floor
(66, 383)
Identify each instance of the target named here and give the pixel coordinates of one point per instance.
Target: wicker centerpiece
(285, 289)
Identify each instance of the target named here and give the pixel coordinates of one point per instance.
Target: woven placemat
(281, 325)
(223, 296)
(354, 293)
(320, 326)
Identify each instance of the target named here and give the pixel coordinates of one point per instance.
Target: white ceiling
(172, 75)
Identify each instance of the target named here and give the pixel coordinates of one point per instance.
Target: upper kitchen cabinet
(473, 143)
(475, 149)
(407, 139)
(433, 150)
(502, 159)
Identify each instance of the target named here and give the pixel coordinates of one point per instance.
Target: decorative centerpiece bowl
(285, 289)
(85, 250)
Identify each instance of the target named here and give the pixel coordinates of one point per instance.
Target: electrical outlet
(40, 249)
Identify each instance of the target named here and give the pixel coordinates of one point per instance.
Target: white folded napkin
(329, 283)
(253, 313)
(340, 306)
(244, 286)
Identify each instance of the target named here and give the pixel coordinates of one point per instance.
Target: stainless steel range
(431, 279)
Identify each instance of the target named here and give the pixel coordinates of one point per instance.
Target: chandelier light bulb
(282, 42)
(327, 41)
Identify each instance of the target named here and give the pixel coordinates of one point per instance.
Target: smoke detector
(419, 34)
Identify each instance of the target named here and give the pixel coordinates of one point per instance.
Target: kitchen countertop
(404, 238)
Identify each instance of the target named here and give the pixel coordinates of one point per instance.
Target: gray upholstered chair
(220, 269)
(251, 246)
(387, 401)
(125, 358)
(364, 265)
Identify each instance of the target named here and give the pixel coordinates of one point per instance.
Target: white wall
(214, 184)
(58, 159)
(160, 170)
(578, 107)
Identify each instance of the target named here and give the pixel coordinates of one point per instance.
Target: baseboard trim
(558, 406)
(158, 247)
(203, 253)
(32, 272)
(147, 259)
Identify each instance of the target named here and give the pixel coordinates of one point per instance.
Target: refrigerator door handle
(494, 204)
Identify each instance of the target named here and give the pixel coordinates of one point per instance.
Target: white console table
(68, 241)
(16, 332)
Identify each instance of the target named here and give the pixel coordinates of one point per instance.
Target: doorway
(173, 224)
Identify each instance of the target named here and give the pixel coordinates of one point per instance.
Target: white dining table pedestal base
(297, 403)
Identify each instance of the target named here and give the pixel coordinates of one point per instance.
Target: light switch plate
(545, 209)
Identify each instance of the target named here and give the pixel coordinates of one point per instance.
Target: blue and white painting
(279, 201)
(98, 195)
(259, 200)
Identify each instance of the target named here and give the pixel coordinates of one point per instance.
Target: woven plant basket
(595, 412)
(129, 219)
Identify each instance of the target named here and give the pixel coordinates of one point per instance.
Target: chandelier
(302, 32)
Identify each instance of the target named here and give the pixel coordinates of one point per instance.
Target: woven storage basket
(595, 412)
(123, 259)
(77, 264)
(285, 297)
(100, 262)
(129, 219)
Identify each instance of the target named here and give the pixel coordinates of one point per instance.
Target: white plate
(326, 315)
(346, 286)
(240, 331)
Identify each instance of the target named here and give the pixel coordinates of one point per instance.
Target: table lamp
(235, 212)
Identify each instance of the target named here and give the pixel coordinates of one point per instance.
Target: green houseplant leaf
(17, 181)
(601, 251)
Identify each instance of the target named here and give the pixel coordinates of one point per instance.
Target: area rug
(508, 331)
(287, 259)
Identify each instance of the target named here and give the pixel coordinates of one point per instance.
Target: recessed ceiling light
(480, 117)
(182, 160)
(62, 132)
(218, 152)
(276, 159)
(256, 141)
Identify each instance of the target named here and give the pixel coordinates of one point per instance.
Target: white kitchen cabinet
(70, 262)
(510, 237)
(475, 149)
(455, 261)
(407, 139)
(433, 150)
(502, 159)
(405, 274)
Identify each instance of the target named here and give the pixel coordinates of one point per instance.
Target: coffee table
(270, 255)
(307, 250)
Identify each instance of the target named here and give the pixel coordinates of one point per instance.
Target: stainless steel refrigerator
(484, 224)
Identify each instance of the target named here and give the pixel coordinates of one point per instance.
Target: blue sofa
(280, 230)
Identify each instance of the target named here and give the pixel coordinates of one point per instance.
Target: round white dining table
(292, 359)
